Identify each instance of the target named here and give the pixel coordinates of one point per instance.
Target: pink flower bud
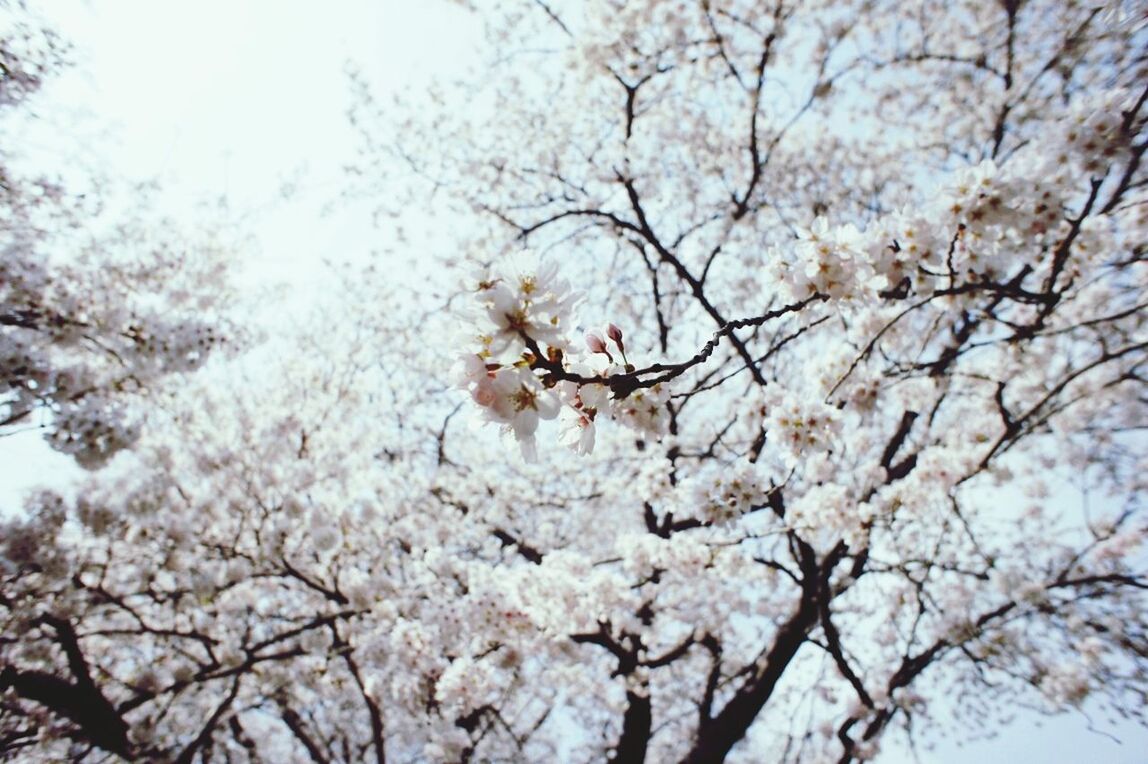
(596, 344)
(614, 333)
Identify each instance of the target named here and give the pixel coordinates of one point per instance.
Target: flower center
(524, 399)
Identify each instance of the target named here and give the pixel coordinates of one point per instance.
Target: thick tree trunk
(720, 734)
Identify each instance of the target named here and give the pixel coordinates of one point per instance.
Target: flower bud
(598, 345)
(614, 333)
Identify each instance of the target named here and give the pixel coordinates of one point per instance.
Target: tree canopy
(100, 295)
(773, 385)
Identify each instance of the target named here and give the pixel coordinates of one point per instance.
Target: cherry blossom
(857, 435)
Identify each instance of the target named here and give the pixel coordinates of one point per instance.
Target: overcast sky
(243, 98)
(247, 98)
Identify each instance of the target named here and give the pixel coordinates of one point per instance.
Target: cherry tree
(100, 296)
(780, 392)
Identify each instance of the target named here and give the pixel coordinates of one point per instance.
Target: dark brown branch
(717, 735)
(623, 385)
(378, 735)
(898, 439)
(627, 661)
(696, 289)
(741, 206)
(553, 17)
(705, 709)
(528, 552)
(833, 645)
(331, 594)
(295, 723)
(81, 701)
(188, 753)
(672, 655)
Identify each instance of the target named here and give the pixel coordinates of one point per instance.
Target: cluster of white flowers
(615, 30)
(979, 224)
(530, 304)
(467, 684)
(415, 647)
(825, 261)
(800, 425)
(582, 404)
(643, 553)
(831, 510)
(525, 317)
(643, 410)
(322, 575)
(1092, 135)
(93, 428)
(722, 495)
(1065, 684)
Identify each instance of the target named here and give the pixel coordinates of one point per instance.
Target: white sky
(239, 98)
(242, 98)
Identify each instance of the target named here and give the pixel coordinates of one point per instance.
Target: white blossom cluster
(1066, 684)
(722, 496)
(800, 425)
(980, 225)
(524, 317)
(77, 359)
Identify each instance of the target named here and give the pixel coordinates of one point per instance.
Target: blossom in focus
(514, 398)
(533, 303)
